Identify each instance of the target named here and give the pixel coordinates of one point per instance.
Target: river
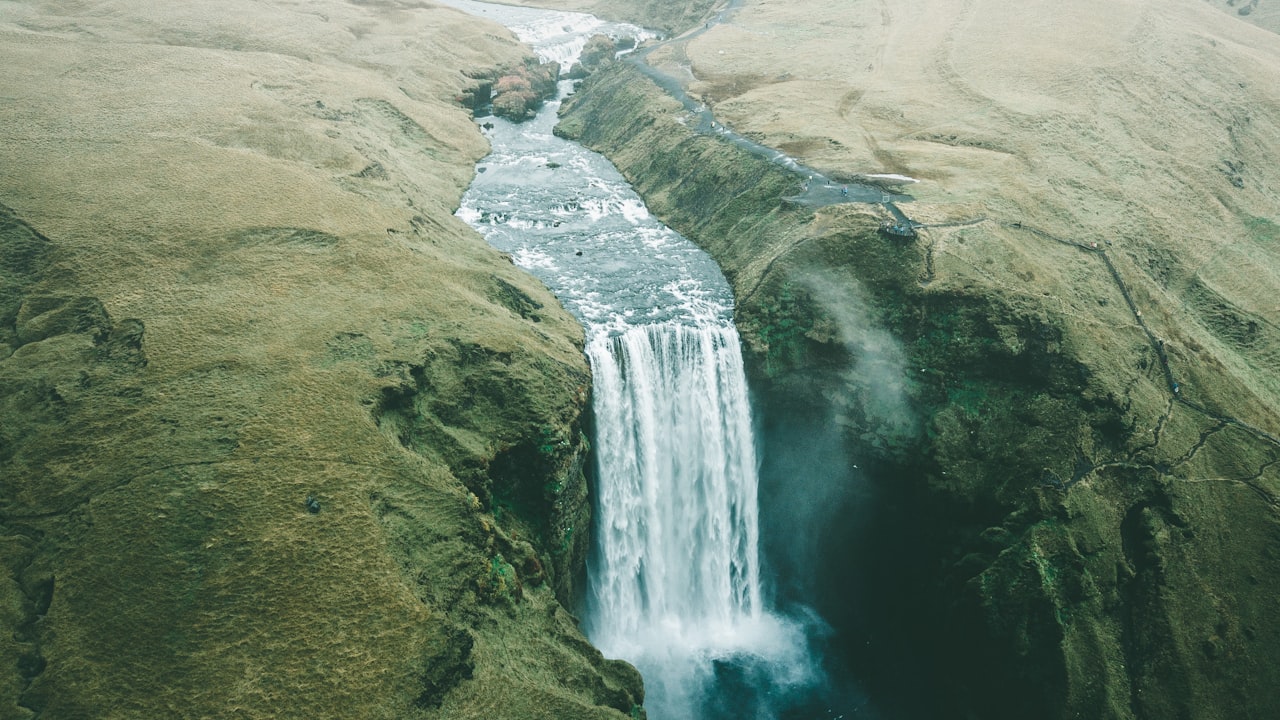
(675, 584)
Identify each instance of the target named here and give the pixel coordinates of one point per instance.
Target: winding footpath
(1172, 386)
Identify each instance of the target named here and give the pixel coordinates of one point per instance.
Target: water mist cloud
(877, 376)
(813, 491)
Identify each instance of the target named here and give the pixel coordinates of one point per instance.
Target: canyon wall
(281, 437)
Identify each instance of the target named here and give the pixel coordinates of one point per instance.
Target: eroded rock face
(61, 353)
(986, 497)
(529, 474)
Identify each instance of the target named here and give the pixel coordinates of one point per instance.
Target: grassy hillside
(279, 436)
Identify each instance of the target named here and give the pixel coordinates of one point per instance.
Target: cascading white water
(677, 496)
(674, 580)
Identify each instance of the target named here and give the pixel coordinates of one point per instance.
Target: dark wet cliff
(1003, 512)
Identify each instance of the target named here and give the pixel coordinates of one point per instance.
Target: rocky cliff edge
(1028, 461)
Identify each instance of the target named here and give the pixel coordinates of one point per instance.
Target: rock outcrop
(519, 91)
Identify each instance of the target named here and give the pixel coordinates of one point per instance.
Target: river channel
(675, 584)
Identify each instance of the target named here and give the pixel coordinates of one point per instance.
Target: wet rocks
(520, 91)
(600, 49)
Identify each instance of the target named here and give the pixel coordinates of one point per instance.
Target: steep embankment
(976, 457)
(279, 436)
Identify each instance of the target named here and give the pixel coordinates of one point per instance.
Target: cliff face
(977, 465)
(279, 436)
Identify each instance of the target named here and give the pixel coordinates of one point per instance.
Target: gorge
(281, 436)
(1033, 547)
(674, 584)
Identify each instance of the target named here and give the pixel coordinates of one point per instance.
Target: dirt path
(1172, 387)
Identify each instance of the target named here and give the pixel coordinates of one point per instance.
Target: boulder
(520, 91)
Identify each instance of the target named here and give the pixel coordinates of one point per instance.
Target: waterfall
(674, 584)
(677, 495)
(674, 579)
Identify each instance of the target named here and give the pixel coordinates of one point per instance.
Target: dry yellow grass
(1148, 128)
(1122, 569)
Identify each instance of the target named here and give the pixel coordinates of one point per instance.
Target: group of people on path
(804, 187)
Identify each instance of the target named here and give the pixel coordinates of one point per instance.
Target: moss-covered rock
(600, 49)
(519, 91)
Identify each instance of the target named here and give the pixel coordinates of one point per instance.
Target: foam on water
(554, 35)
(675, 579)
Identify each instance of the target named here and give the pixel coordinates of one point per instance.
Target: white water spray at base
(675, 581)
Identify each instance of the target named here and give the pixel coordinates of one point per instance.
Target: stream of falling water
(674, 579)
(675, 583)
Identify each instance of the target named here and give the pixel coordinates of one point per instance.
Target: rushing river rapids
(674, 580)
